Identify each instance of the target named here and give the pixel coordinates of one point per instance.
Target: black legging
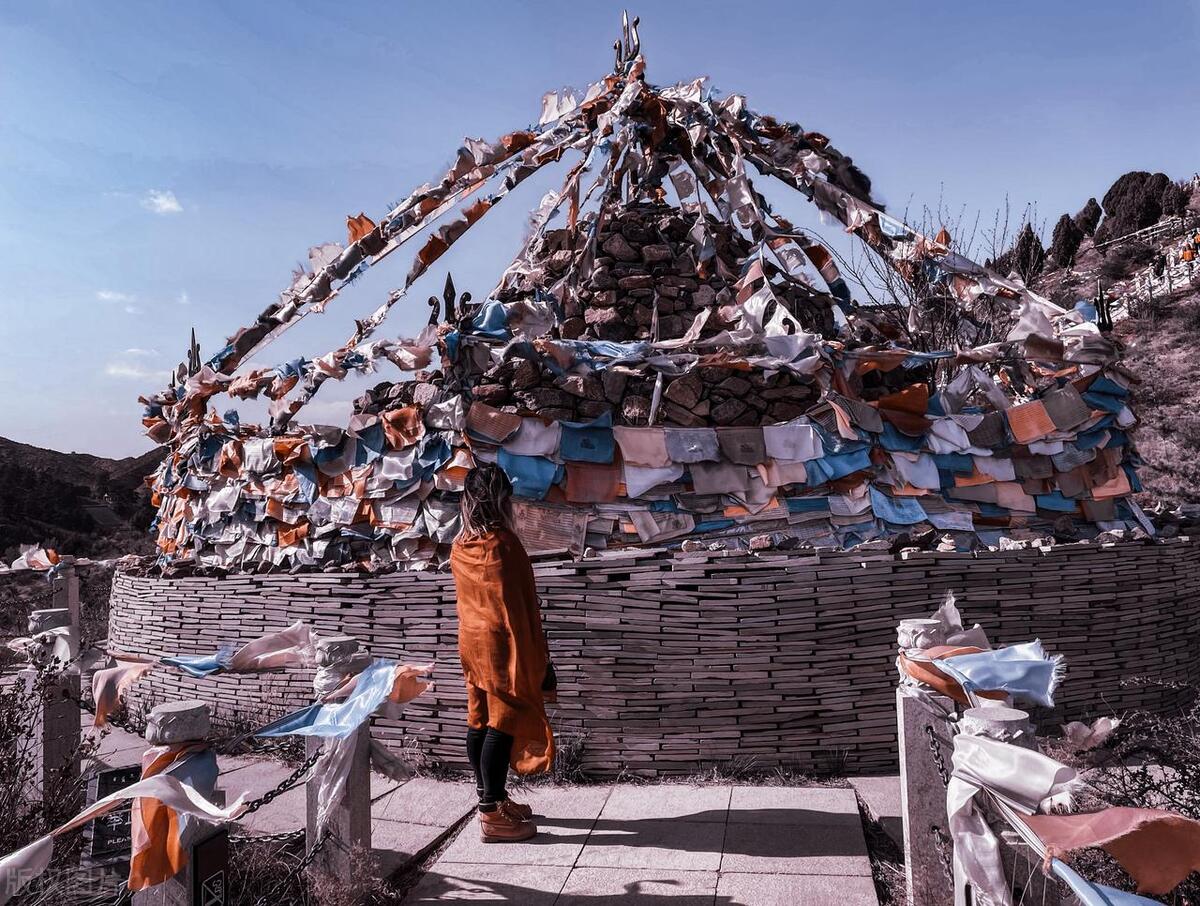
(489, 752)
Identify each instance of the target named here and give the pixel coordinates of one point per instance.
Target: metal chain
(284, 785)
(936, 750)
(272, 897)
(944, 845)
(284, 837)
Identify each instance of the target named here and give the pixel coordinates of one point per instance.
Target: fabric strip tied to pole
(19, 868)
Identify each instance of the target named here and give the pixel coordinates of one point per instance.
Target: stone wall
(669, 663)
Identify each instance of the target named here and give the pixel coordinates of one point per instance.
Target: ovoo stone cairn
(667, 361)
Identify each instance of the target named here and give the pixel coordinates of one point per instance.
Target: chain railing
(272, 897)
(283, 786)
(941, 840)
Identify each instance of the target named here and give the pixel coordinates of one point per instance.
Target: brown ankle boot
(522, 811)
(504, 825)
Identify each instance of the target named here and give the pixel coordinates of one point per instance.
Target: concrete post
(349, 817)
(56, 721)
(927, 847)
(55, 733)
(66, 588)
(204, 880)
(1011, 725)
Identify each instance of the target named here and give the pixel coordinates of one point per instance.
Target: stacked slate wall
(669, 663)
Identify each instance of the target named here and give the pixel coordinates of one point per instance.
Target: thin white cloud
(109, 295)
(161, 201)
(133, 371)
(142, 353)
(183, 298)
(132, 310)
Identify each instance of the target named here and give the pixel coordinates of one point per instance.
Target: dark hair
(486, 500)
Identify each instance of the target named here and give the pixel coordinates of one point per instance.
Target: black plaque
(108, 837)
(210, 870)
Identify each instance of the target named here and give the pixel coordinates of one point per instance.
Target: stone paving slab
(788, 804)
(426, 801)
(881, 795)
(638, 887)
(629, 802)
(398, 843)
(718, 845)
(736, 889)
(809, 848)
(683, 845)
(565, 817)
(501, 882)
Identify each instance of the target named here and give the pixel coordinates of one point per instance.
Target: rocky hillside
(73, 502)
(1159, 326)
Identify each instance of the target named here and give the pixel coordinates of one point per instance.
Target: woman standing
(504, 655)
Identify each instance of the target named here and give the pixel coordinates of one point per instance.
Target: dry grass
(1161, 351)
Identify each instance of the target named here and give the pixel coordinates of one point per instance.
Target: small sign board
(107, 839)
(210, 870)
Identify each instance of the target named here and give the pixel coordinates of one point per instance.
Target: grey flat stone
(734, 889)
(570, 806)
(398, 843)
(253, 776)
(882, 798)
(527, 885)
(382, 786)
(833, 846)
(638, 886)
(788, 804)
(283, 814)
(426, 801)
(666, 800)
(118, 748)
(669, 844)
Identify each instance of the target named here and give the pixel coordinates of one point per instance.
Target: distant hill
(75, 502)
(1139, 242)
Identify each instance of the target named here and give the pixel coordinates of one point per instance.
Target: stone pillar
(205, 878)
(56, 720)
(55, 732)
(66, 588)
(1010, 725)
(349, 820)
(927, 846)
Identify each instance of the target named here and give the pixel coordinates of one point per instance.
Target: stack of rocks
(646, 267)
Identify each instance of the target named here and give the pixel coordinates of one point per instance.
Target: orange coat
(502, 646)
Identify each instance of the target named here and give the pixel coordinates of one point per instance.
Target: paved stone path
(633, 844)
(604, 845)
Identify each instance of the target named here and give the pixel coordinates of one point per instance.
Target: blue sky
(164, 166)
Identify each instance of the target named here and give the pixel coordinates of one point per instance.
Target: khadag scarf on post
(1022, 779)
(158, 847)
(382, 681)
(1023, 671)
(19, 868)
